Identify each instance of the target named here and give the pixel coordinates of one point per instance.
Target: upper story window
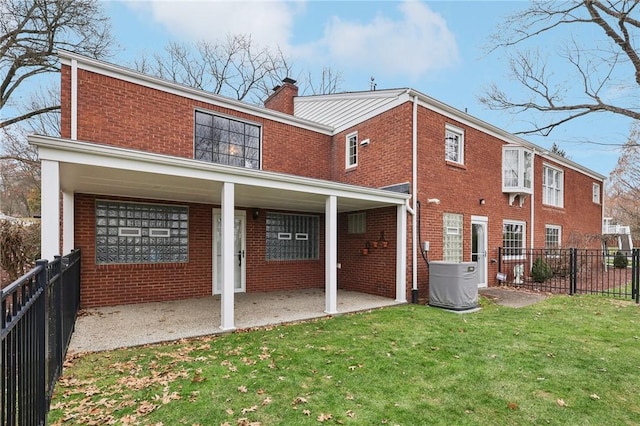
(351, 150)
(454, 144)
(552, 186)
(517, 169)
(227, 141)
(596, 193)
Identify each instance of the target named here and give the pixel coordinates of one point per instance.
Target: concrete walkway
(114, 327)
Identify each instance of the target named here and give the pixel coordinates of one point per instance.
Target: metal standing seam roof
(339, 110)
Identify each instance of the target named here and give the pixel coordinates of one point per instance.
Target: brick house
(173, 192)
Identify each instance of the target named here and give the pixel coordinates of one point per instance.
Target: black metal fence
(572, 271)
(38, 315)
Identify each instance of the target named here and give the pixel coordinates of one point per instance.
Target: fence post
(635, 274)
(41, 314)
(573, 262)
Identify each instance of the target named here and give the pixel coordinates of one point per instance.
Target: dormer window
(517, 169)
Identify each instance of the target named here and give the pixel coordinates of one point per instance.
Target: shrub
(620, 260)
(541, 271)
(19, 247)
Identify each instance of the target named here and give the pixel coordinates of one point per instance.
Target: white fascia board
(75, 152)
(476, 123)
(131, 76)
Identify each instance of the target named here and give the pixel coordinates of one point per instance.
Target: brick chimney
(282, 97)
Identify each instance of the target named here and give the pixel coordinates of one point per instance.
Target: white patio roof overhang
(70, 166)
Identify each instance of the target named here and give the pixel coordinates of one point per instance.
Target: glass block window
(226, 141)
(292, 237)
(552, 236)
(513, 239)
(352, 150)
(552, 186)
(141, 233)
(452, 237)
(454, 144)
(357, 223)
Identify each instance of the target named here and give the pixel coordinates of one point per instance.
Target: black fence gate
(572, 271)
(39, 311)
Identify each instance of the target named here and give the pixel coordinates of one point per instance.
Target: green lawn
(565, 361)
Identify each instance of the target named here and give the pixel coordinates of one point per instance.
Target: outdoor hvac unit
(453, 285)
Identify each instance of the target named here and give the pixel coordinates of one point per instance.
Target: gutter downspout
(533, 202)
(414, 197)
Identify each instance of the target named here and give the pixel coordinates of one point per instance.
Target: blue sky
(436, 47)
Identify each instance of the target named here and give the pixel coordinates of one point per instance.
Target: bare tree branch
(31, 32)
(595, 71)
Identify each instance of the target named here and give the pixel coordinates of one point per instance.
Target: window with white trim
(141, 233)
(513, 239)
(227, 141)
(357, 223)
(596, 193)
(517, 166)
(452, 237)
(292, 236)
(454, 144)
(552, 186)
(552, 236)
(351, 152)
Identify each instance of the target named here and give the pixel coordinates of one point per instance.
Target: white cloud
(411, 46)
(269, 22)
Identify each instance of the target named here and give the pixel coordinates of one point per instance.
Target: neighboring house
(173, 192)
(620, 235)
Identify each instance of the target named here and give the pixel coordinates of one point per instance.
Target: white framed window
(357, 223)
(454, 144)
(452, 237)
(351, 151)
(552, 186)
(596, 193)
(552, 236)
(513, 239)
(517, 169)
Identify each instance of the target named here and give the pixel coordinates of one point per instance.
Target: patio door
(239, 247)
(479, 247)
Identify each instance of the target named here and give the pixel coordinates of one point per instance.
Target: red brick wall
(104, 285)
(387, 158)
(119, 113)
(374, 273)
(282, 99)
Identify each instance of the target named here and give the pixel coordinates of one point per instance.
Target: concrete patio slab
(108, 328)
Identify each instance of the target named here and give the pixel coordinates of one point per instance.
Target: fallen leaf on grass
(512, 406)
(267, 401)
(242, 389)
(145, 408)
(251, 409)
(351, 414)
(594, 396)
(324, 417)
(561, 402)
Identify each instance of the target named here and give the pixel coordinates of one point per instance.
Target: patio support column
(227, 298)
(331, 255)
(50, 209)
(68, 230)
(401, 254)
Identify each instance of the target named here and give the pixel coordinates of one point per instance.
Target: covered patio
(100, 329)
(71, 167)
